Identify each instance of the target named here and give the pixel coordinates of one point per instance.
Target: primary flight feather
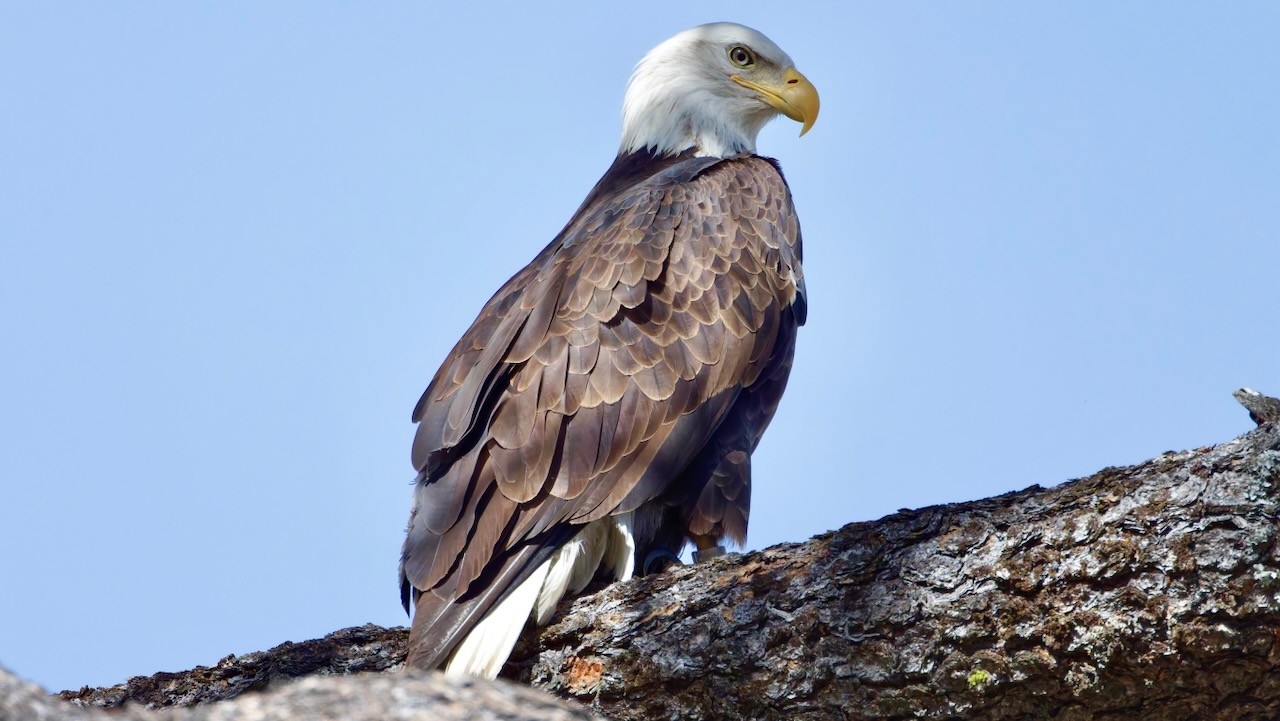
(602, 409)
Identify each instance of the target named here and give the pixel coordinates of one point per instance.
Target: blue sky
(236, 239)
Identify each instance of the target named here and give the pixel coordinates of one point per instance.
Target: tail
(440, 624)
(474, 634)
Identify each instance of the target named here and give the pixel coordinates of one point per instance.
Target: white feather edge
(607, 543)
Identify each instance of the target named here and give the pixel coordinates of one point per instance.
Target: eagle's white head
(712, 88)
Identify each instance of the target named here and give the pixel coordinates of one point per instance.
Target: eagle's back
(630, 367)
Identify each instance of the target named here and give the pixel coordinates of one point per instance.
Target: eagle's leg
(660, 534)
(662, 531)
(708, 548)
(659, 559)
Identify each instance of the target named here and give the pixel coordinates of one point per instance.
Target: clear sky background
(236, 240)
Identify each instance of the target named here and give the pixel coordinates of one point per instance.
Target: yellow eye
(741, 56)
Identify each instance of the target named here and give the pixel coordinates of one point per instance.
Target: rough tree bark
(1147, 592)
(411, 696)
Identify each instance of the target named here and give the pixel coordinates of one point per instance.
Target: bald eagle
(601, 411)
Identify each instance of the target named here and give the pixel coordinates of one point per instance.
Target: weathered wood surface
(1147, 592)
(1150, 592)
(408, 696)
(359, 649)
(1262, 409)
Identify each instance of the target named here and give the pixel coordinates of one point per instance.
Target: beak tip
(803, 99)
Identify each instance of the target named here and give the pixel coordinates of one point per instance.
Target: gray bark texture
(409, 696)
(1146, 592)
(1262, 409)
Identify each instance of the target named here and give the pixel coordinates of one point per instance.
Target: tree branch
(1144, 592)
(1150, 592)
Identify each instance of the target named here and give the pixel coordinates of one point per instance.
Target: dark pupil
(740, 56)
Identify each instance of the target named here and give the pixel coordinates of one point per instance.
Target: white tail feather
(572, 567)
(487, 647)
(606, 543)
(621, 551)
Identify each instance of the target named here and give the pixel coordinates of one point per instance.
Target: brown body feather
(632, 366)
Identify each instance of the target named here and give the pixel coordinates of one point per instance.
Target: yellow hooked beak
(795, 98)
